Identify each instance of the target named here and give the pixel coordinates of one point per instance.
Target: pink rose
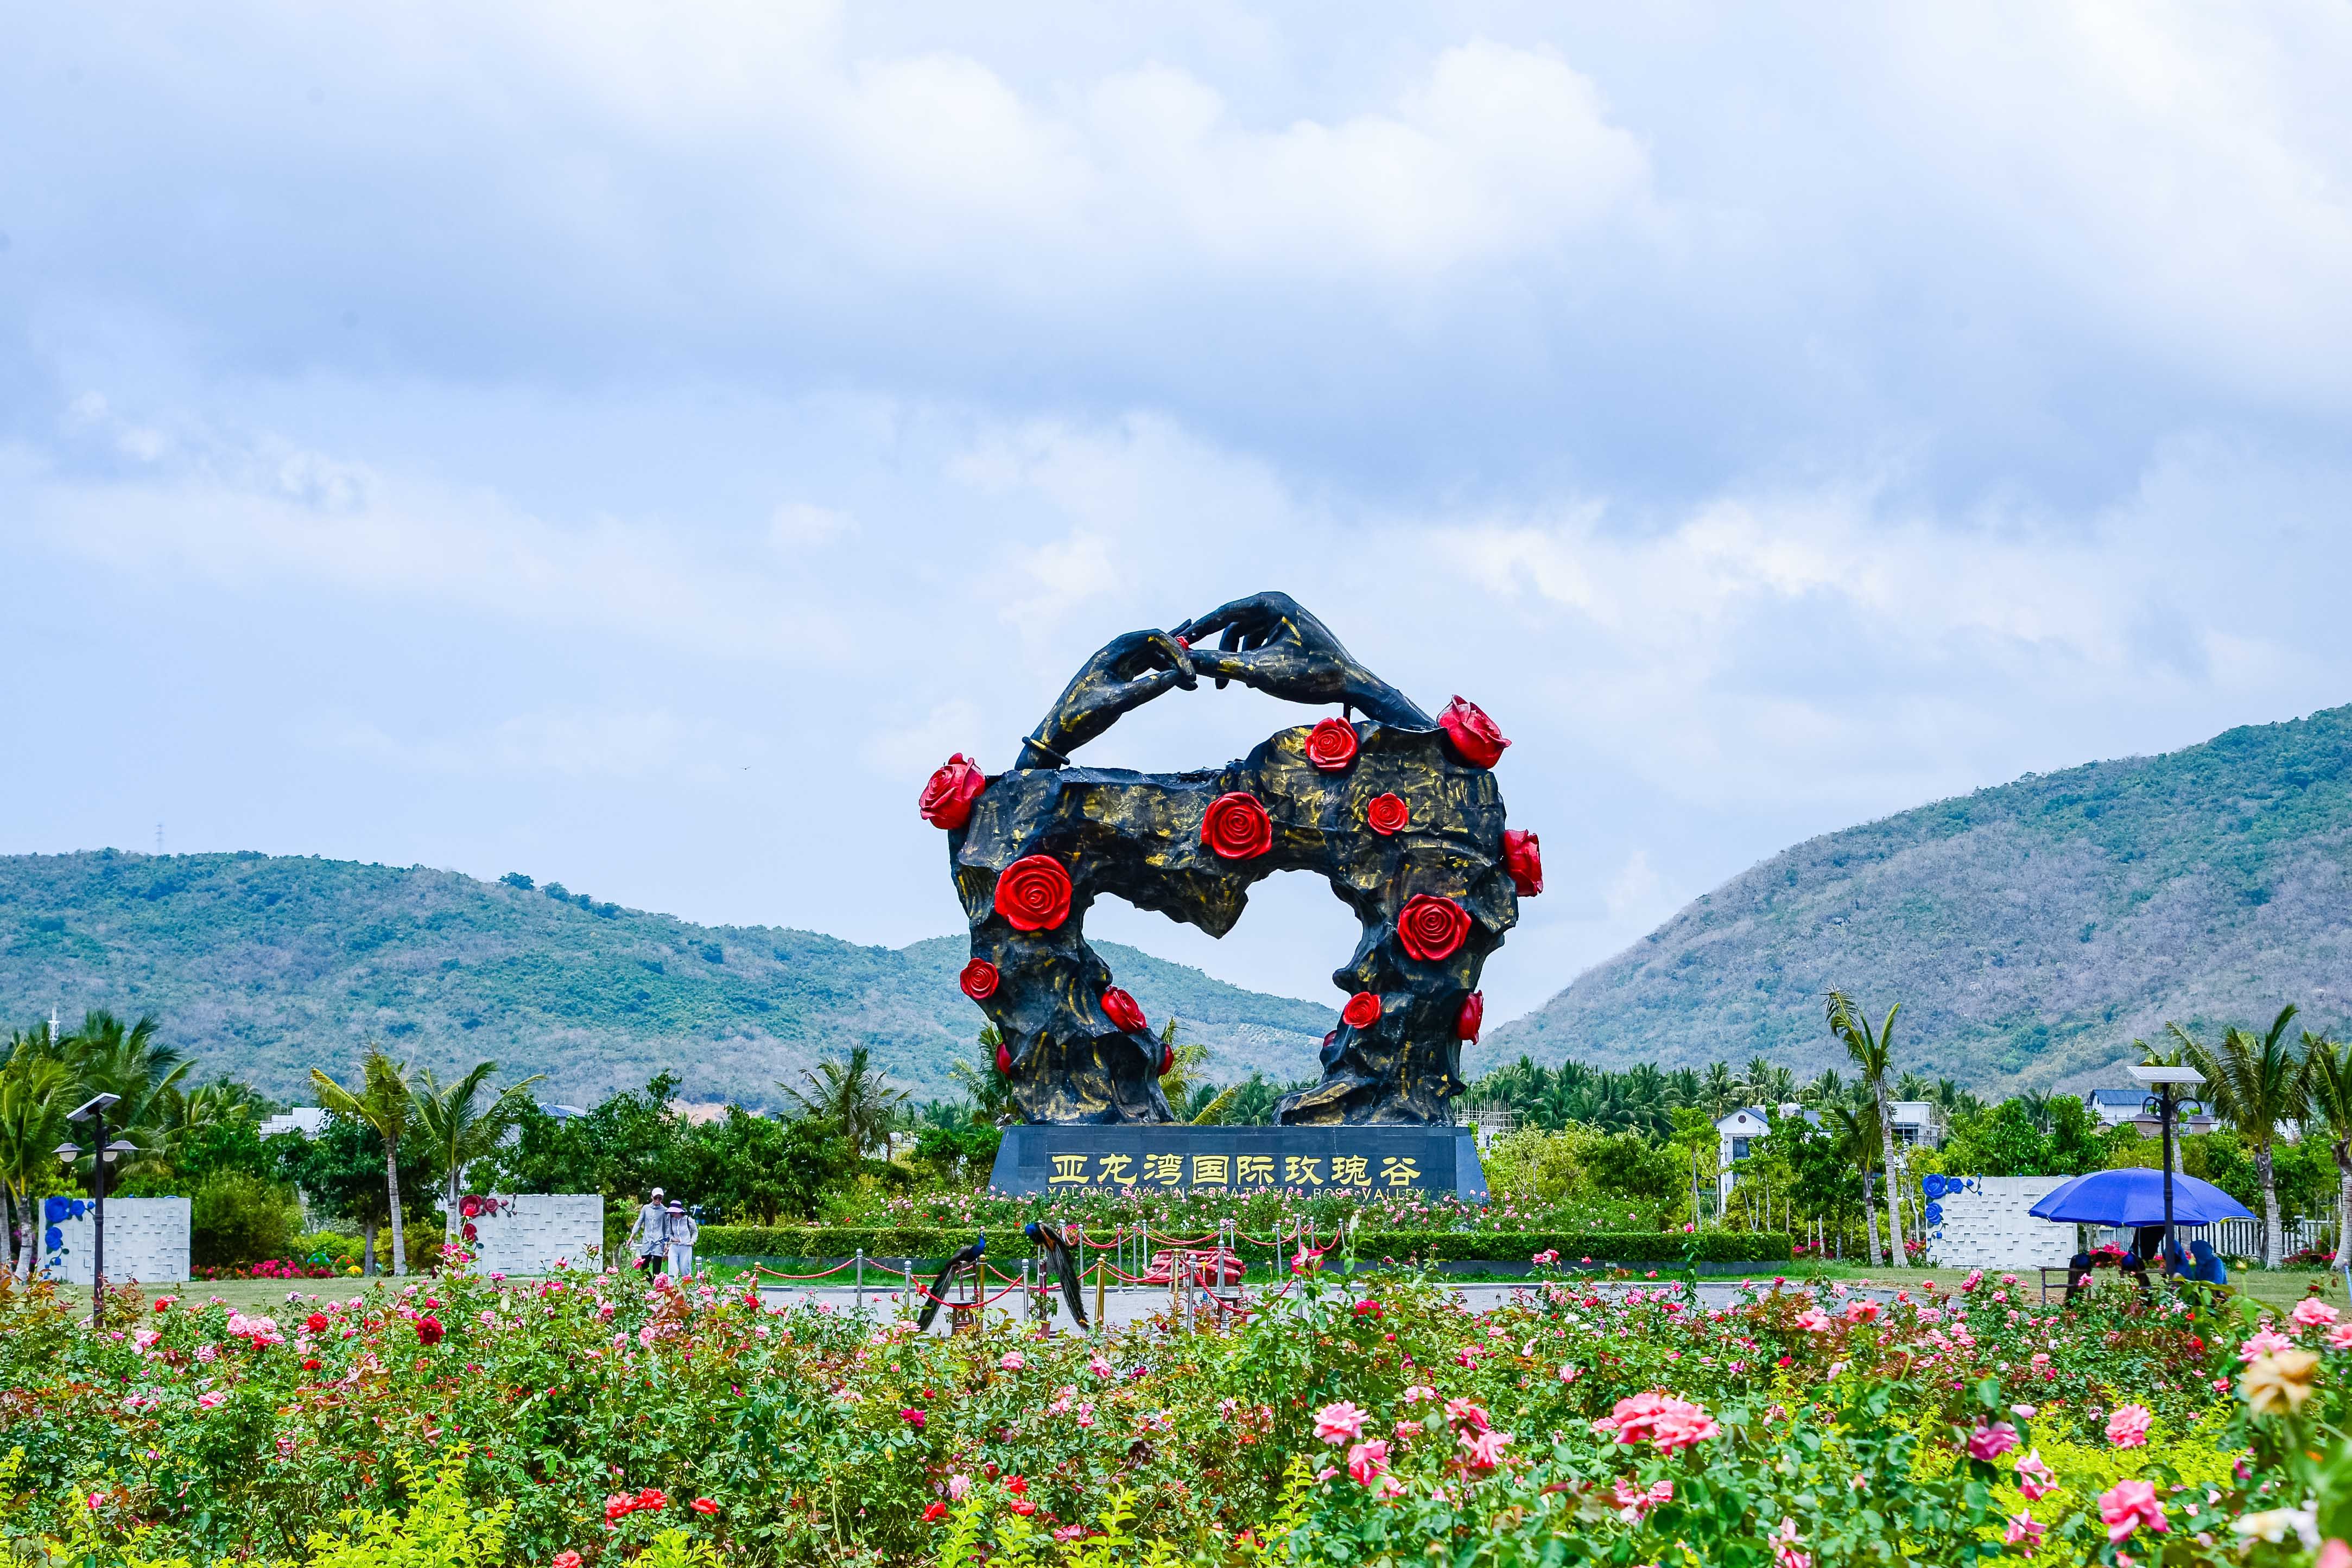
(2035, 1479)
(2311, 1313)
(2127, 1505)
(2127, 1427)
(2024, 1532)
(1340, 1422)
(1367, 1462)
(1990, 1441)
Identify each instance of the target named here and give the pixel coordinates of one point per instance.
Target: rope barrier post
(861, 1280)
(1101, 1263)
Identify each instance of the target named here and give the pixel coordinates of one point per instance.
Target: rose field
(587, 1419)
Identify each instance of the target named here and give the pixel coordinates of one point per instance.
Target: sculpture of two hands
(1268, 641)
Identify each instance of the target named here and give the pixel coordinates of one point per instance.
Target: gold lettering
(1298, 1170)
(1113, 1170)
(1351, 1170)
(1207, 1168)
(1253, 1167)
(1400, 1172)
(1069, 1168)
(1165, 1169)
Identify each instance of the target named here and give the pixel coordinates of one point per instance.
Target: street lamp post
(94, 1113)
(2168, 1082)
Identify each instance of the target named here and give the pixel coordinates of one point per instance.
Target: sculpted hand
(1129, 671)
(1271, 642)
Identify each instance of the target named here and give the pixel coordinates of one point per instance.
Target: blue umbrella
(2135, 1196)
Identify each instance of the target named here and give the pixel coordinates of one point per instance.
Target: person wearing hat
(650, 1240)
(681, 1229)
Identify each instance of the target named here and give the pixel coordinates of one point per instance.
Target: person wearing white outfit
(682, 1229)
(650, 1238)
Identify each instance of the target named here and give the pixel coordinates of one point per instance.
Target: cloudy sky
(634, 443)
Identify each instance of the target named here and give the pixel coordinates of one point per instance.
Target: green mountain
(2030, 931)
(265, 966)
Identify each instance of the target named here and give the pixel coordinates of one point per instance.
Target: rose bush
(594, 1415)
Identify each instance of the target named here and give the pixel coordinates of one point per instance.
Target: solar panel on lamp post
(2168, 1081)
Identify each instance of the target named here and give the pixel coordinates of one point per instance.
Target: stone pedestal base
(1082, 1157)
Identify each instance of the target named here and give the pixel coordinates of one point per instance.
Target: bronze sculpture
(1398, 811)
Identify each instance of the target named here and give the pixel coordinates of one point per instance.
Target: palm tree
(1191, 1062)
(1854, 1126)
(2035, 1103)
(459, 1131)
(385, 1102)
(2258, 1086)
(990, 1090)
(1873, 1054)
(128, 1062)
(35, 1092)
(1717, 1092)
(2327, 1080)
(852, 1096)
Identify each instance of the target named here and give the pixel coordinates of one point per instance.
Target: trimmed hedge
(1644, 1247)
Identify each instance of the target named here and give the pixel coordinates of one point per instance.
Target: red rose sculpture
(1474, 735)
(947, 799)
(979, 979)
(468, 1231)
(1237, 827)
(1362, 1011)
(1166, 1059)
(1033, 893)
(1523, 858)
(1386, 814)
(1473, 1017)
(1122, 1009)
(1003, 1057)
(1331, 746)
(1432, 928)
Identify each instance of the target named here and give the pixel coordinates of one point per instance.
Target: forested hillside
(2030, 931)
(264, 966)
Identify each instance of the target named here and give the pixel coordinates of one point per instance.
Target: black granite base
(1426, 1161)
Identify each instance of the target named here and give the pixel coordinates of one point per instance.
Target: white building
(1733, 1134)
(308, 1120)
(1918, 1122)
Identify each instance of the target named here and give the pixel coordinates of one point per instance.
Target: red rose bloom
(936, 1512)
(1018, 1486)
(1121, 1010)
(947, 800)
(316, 1323)
(1362, 1011)
(704, 1505)
(311, 1364)
(564, 1560)
(1431, 927)
(1331, 746)
(1033, 893)
(1237, 827)
(1523, 858)
(1387, 814)
(1167, 1060)
(1473, 1016)
(1003, 1057)
(619, 1506)
(1023, 1506)
(914, 1418)
(978, 979)
(653, 1499)
(428, 1331)
(1474, 735)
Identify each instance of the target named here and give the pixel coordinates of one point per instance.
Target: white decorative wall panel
(539, 1232)
(146, 1239)
(1980, 1222)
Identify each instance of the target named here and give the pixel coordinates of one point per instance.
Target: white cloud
(584, 745)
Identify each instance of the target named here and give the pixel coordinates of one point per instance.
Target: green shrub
(1649, 1248)
(235, 1216)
